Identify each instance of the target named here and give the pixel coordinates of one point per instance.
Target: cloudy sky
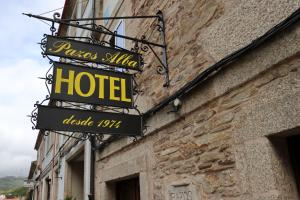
(20, 65)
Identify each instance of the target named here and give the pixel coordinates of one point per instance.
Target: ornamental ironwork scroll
(140, 44)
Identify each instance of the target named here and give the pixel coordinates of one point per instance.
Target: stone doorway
(128, 189)
(75, 177)
(293, 143)
(48, 185)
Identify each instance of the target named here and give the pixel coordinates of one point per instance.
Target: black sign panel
(89, 85)
(73, 49)
(65, 119)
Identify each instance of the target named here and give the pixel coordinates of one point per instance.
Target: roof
(38, 140)
(66, 14)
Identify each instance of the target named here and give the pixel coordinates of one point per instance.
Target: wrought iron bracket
(34, 114)
(140, 44)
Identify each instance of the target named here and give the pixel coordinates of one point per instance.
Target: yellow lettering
(116, 86)
(70, 52)
(87, 55)
(113, 88)
(92, 84)
(90, 123)
(111, 57)
(59, 80)
(59, 46)
(86, 122)
(122, 57)
(118, 58)
(67, 121)
(94, 57)
(79, 122)
(127, 59)
(66, 48)
(123, 91)
(101, 85)
(132, 64)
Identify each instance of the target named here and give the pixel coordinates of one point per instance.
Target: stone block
(237, 98)
(223, 118)
(264, 118)
(169, 151)
(254, 174)
(201, 130)
(205, 115)
(209, 157)
(204, 166)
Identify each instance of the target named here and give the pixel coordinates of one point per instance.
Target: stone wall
(198, 34)
(201, 146)
(217, 144)
(211, 148)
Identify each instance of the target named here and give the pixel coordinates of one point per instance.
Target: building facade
(236, 132)
(43, 171)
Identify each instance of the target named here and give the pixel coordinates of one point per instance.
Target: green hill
(17, 192)
(11, 182)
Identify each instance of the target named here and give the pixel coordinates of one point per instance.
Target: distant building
(42, 172)
(30, 182)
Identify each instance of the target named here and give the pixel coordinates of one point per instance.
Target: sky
(21, 64)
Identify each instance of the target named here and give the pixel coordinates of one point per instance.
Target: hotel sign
(78, 50)
(65, 119)
(93, 86)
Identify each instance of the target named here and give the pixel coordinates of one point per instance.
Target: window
(48, 143)
(120, 30)
(120, 42)
(109, 8)
(48, 188)
(84, 6)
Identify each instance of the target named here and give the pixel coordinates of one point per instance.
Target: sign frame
(52, 118)
(78, 99)
(95, 46)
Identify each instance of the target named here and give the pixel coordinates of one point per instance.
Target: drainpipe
(92, 169)
(54, 180)
(92, 138)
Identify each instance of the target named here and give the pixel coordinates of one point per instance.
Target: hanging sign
(89, 85)
(65, 119)
(78, 50)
